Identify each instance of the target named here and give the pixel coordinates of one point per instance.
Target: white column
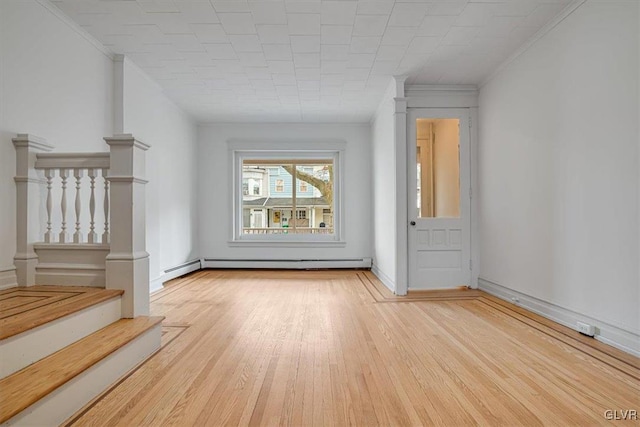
(127, 265)
(27, 205)
(400, 131)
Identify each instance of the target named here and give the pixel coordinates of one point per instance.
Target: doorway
(439, 211)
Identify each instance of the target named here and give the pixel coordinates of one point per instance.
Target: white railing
(76, 166)
(282, 230)
(54, 249)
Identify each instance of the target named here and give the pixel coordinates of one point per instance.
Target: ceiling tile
(336, 34)
(220, 50)
(237, 23)
(374, 7)
(284, 79)
(245, 43)
(273, 33)
(304, 23)
(305, 44)
(370, 25)
(435, 25)
(296, 6)
(361, 60)
(407, 14)
(364, 44)
(338, 12)
(268, 12)
(231, 6)
(306, 60)
(252, 59)
(460, 35)
(209, 33)
(390, 53)
(334, 52)
(277, 52)
(398, 36)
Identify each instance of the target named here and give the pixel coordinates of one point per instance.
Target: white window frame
(278, 150)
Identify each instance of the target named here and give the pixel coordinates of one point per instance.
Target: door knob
(413, 223)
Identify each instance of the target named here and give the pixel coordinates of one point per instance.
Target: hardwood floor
(334, 348)
(22, 309)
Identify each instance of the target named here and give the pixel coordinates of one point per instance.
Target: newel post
(27, 205)
(127, 265)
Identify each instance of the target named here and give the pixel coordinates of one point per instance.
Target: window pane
(277, 202)
(438, 168)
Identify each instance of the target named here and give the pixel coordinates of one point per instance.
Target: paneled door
(439, 210)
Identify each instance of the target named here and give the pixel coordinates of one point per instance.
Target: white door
(439, 198)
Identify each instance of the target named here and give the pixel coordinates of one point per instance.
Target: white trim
(298, 149)
(565, 13)
(290, 264)
(155, 285)
(386, 280)
(474, 152)
(615, 336)
(171, 273)
(77, 28)
(8, 278)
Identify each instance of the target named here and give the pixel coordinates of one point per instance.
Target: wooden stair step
(29, 307)
(23, 388)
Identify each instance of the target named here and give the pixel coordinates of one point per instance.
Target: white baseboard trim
(294, 264)
(8, 278)
(156, 284)
(614, 336)
(386, 280)
(171, 273)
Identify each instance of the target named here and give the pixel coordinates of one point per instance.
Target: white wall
(559, 207)
(171, 171)
(54, 84)
(215, 189)
(58, 83)
(383, 178)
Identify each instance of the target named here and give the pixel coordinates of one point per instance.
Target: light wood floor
(333, 348)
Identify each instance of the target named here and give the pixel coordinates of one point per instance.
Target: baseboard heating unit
(302, 264)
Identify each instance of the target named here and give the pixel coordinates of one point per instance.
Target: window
(300, 199)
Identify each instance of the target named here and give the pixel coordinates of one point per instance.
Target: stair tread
(25, 387)
(26, 308)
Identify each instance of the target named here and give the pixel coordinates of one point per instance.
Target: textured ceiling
(307, 61)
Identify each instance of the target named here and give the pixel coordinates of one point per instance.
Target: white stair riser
(20, 351)
(66, 400)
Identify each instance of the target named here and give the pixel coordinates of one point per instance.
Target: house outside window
(300, 201)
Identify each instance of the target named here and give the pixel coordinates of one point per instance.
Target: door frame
(463, 115)
(467, 101)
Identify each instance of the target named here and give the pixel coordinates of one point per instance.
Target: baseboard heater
(301, 264)
(181, 270)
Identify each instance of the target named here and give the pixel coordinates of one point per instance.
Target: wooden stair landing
(22, 389)
(22, 309)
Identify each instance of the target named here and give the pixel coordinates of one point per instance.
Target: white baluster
(105, 235)
(49, 173)
(64, 236)
(92, 237)
(77, 236)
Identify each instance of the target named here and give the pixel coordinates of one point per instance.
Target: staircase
(61, 346)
